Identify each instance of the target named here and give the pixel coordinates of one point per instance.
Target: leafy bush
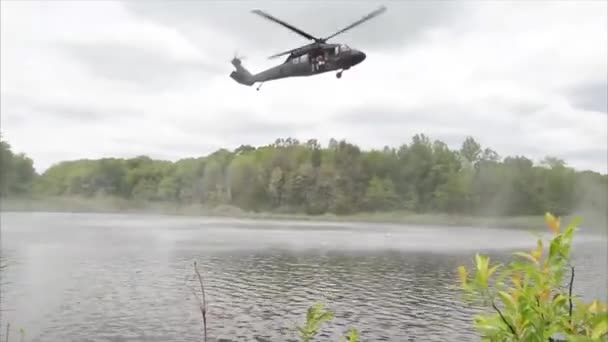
(532, 303)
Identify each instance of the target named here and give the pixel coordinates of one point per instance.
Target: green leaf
(558, 301)
(493, 269)
(554, 248)
(601, 328)
(488, 328)
(481, 262)
(526, 256)
(507, 299)
(353, 335)
(572, 227)
(481, 277)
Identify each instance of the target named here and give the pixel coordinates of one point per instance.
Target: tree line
(290, 176)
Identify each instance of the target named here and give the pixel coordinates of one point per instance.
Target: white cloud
(93, 79)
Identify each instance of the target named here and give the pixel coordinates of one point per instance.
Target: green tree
(381, 195)
(17, 174)
(276, 186)
(471, 150)
(287, 175)
(214, 182)
(246, 182)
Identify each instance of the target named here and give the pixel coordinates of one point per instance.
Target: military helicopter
(312, 59)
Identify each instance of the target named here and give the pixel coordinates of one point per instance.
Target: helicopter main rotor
(317, 41)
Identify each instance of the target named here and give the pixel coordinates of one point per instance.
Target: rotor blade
(280, 22)
(282, 53)
(371, 15)
(296, 50)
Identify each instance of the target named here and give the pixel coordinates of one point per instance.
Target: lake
(103, 277)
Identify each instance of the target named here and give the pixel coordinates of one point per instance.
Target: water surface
(101, 277)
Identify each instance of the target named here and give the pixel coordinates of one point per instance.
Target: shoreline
(121, 206)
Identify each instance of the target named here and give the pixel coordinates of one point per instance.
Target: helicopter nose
(358, 57)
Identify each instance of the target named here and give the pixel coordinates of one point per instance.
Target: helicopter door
(304, 60)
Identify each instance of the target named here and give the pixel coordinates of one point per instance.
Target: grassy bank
(119, 205)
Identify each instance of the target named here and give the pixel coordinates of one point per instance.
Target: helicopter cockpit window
(344, 47)
(304, 59)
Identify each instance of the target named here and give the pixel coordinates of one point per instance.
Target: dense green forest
(288, 176)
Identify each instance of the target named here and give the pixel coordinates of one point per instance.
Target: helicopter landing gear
(339, 74)
(260, 86)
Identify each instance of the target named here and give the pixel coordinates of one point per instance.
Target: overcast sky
(91, 79)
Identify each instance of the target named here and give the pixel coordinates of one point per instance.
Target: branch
(203, 305)
(570, 294)
(503, 318)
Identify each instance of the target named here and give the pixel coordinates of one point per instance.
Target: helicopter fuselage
(332, 57)
(313, 63)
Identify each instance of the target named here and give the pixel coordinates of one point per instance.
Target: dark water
(87, 277)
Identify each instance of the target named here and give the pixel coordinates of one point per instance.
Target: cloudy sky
(90, 79)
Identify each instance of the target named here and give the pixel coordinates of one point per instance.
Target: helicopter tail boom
(241, 75)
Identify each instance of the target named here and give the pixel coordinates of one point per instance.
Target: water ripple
(86, 279)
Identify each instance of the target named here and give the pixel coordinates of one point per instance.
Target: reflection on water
(128, 278)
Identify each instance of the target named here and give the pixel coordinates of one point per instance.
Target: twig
(503, 318)
(203, 305)
(570, 294)
(7, 330)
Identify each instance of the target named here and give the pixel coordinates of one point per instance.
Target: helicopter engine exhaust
(241, 75)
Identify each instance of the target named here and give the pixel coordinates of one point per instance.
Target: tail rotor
(236, 56)
(241, 75)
